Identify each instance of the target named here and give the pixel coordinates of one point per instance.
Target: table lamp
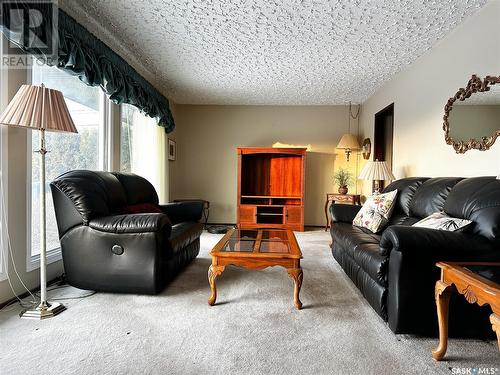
(376, 171)
(43, 109)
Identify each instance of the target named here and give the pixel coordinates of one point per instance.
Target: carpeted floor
(254, 328)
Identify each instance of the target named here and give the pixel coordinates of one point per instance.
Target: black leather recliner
(395, 270)
(106, 250)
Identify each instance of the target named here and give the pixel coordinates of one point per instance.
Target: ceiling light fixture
(349, 142)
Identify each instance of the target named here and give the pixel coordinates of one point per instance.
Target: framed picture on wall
(172, 149)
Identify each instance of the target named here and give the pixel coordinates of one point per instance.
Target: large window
(142, 148)
(67, 151)
(3, 198)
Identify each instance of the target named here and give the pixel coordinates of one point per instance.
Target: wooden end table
(332, 198)
(478, 283)
(257, 249)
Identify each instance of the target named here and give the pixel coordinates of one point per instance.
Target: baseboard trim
(26, 294)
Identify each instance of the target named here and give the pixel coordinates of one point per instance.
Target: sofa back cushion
(92, 193)
(477, 199)
(137, 189)
(406, 188)
(431, 196)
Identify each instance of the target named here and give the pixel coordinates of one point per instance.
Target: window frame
(4, 243)
(105, 157)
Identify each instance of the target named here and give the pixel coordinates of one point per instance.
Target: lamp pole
(44, 309)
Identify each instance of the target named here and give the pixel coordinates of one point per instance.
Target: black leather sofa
(395, 270)
(106, 250)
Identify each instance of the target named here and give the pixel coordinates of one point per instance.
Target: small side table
(332, 198)
(478, 283)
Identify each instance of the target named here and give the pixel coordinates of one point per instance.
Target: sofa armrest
(344, 213)
(132, 223)
(436, 243)
(179, 212)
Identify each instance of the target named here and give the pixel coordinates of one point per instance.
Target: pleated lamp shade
(38, 107)
(376, 171)
(349, 141)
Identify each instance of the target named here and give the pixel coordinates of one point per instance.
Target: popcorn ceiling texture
(270, 52)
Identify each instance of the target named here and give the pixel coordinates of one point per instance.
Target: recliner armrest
(132, 223)
(344, 213)
(179, 212)
(433, 242)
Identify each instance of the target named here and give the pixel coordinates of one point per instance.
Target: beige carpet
(254, 329)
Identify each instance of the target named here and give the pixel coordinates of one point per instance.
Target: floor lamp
(43, 109)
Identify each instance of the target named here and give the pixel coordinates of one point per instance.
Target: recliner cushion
(137, 189)
(93, 193)
(142, 208)
(477, 199)
(350, 236)
(406, 188)
(183, 234)
(368, 257)
(401, 219)
(431, 196)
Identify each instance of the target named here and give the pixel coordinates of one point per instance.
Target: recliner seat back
(86, 195)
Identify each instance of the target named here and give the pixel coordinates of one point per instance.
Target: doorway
(383, 137)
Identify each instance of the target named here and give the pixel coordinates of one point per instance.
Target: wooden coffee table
(257, 249)
(478, 283)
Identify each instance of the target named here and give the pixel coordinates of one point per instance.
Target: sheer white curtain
(147, 149)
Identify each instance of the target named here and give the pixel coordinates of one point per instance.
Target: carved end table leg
(443, 293)
(297, 275)
(213, 272)
(495, 323)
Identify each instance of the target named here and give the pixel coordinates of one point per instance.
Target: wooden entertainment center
(271, 188)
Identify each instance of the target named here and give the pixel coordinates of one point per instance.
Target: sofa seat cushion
(368, 257)
(349, 236)
(362, 246)
(142, 208)
(399, 219)
(183, 234)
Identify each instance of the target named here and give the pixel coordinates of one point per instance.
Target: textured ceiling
(270, 52)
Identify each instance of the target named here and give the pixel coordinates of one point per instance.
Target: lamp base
(44, 311)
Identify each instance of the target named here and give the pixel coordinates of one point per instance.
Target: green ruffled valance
(80, 53)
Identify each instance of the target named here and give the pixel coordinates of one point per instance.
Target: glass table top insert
(259, 240)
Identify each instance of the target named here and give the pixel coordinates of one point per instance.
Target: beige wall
(420, 92)
(207, 138)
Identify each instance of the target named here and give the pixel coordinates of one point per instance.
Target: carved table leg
(443, 293)
(326, 213)
(296, 274)
(495, 323)
(213, 272)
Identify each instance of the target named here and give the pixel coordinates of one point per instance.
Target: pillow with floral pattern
(376, 212)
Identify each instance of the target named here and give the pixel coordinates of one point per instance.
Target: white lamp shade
(376, 170)
(349, 141)
(38, 107)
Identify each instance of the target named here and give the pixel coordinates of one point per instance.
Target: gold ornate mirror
(472, 116)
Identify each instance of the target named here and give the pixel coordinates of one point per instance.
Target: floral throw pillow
(441, 221)
(376, 211)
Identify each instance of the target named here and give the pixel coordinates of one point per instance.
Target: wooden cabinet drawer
(294, 214)
(247, 214)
